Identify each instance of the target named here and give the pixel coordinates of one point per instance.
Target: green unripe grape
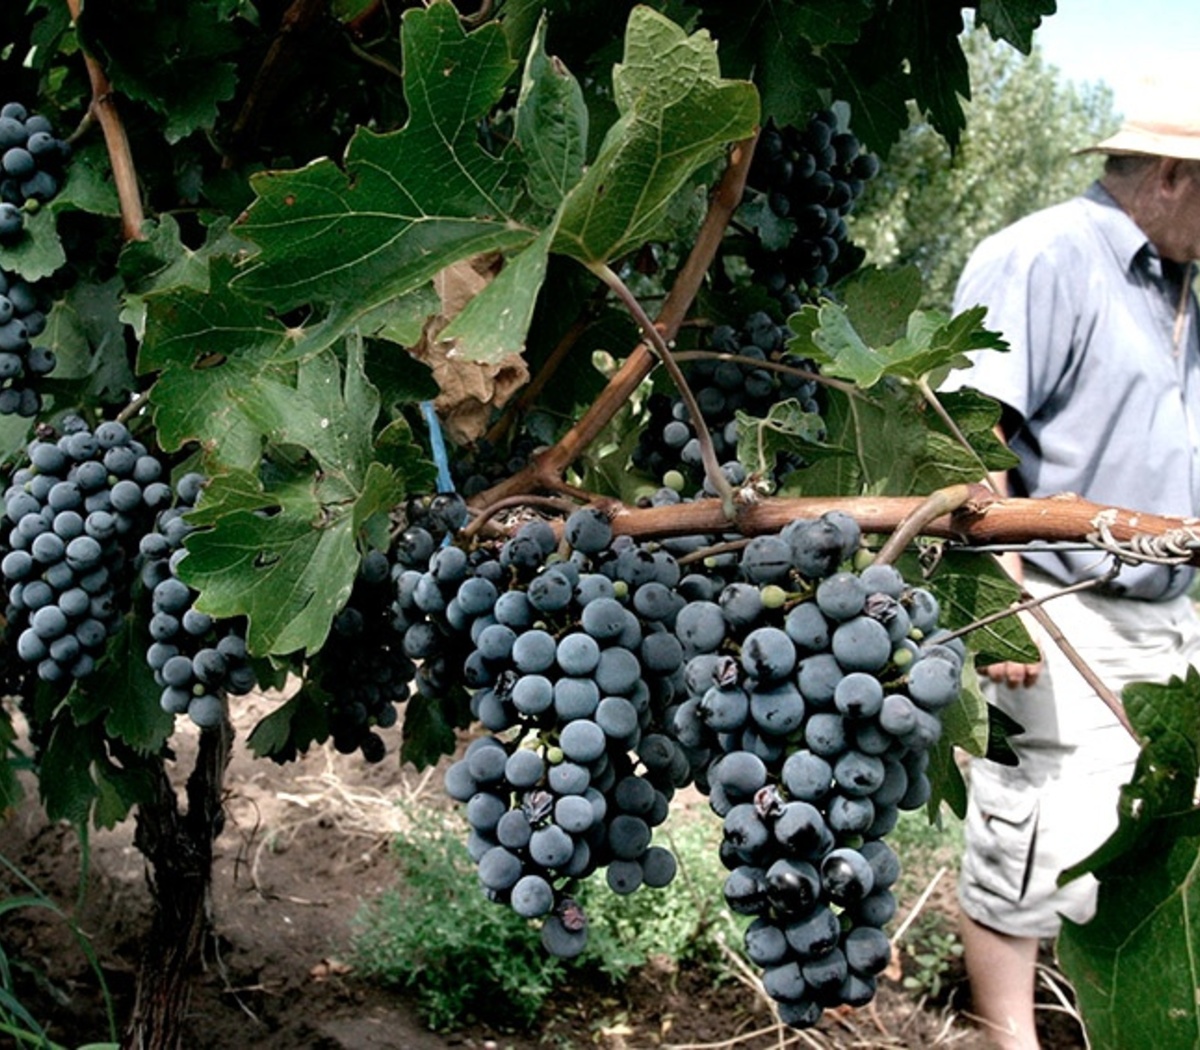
(863, 558)
(674, 480)
(620, 589)
(554, 755)
(773, 596)
(902, 657)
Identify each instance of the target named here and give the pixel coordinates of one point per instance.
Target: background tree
(931, 205)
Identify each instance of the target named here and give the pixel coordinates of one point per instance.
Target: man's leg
(1001, 968)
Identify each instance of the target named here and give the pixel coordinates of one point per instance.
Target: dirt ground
(303, 846)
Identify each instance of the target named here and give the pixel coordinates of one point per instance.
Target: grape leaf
(783, 45)
(284, 559)
(551, 125)
(38, 252)
(217, 354)
(828, 335)
(84, 328)
(118, 789)
(495, 321)
(176, 60)
(428, 734)
(65, 779)
(287, 577)
(1014, 20)
(408, 203)
(122, 692)
(676, 114)
(928, 36)
(291, 729)
(881, 301)
(163, 261)
(888, 442)
(968, 588)
(785, 428)
(1133, 966)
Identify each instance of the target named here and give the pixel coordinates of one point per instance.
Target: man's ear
(1171, 172)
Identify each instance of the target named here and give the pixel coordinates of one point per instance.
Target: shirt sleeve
(1026, 290)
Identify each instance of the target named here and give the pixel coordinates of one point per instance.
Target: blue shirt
(1109, 400)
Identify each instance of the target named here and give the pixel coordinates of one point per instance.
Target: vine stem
(771, 366)
(935, 402)
(708, 454)
(554, 503)
(548, 467)
(935, 505)
(104, 107)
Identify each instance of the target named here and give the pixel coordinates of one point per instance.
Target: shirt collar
(1124, 237)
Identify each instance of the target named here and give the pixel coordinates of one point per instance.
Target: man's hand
(1013, 674)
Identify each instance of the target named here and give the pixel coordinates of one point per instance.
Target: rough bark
(178, 844)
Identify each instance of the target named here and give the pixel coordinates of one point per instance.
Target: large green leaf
(175, 59)
(407, 203)
(676, 114)
(1134, 965)
(970, 587)
(828, 334)
(888, 441)
(219, 356)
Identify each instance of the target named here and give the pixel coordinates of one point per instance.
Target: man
(1101, 396)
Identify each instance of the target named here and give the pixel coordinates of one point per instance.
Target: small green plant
(438, 936)
(16, 1021)
(933, 950)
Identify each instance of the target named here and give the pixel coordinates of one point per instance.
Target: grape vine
(641, 565)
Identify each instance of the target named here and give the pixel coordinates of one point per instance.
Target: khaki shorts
(1025, 824)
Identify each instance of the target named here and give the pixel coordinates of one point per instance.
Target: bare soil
(303, 846)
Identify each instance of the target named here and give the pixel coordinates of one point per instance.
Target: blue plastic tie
(438, 444)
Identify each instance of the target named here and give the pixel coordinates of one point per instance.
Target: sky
(1126, 43)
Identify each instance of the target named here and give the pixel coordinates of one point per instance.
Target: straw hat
(1166, 124)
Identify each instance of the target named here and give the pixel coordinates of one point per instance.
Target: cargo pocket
(1001, 834)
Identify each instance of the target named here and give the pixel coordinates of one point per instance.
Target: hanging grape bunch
(573, 668)
(32, 159)
(809, 178)
(668, 449)
(197, 661)
(22, 319)
(817, 691)
(74, 511)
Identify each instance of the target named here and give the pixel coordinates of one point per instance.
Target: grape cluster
(71, 512)
(809, 178)
(573, 666)
(31, 166)
(485, 464)
(668, 448)
(22, 363)
(363, 668)
(197, 660)
(814, 696)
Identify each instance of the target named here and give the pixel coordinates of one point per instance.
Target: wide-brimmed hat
(1164, 121)
(1152, 138)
